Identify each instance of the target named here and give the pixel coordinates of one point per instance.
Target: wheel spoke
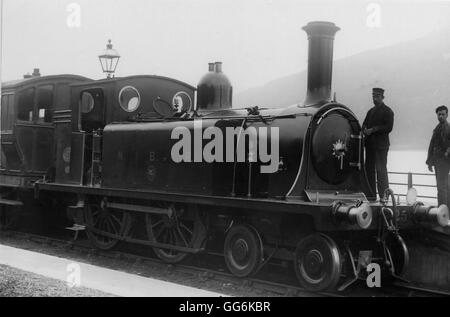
(186, 228)
(116, 219)
(96, 221)
(157, 235)
(105, 224)
(172, 239)
(113, 228)
(100, 223)
(157, 223)
(182, 236)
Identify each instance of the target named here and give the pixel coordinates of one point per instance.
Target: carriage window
(11, 112)
(45, 103)
(4, 112)
(25, 105)
(63, 97)
(87, 102)
(129, 99)
(7, 113)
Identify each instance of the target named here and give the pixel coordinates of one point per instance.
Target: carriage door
(10, 158)
(43, 145)
(92, 115)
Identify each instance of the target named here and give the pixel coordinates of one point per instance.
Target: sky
(257, 40)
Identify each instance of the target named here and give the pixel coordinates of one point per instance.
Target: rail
(410, 183)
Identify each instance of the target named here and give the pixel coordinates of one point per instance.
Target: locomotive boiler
(136, 162)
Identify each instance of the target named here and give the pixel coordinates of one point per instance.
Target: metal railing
(410, 183)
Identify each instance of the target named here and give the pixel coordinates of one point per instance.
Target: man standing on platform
(439, 155)
(376, 128)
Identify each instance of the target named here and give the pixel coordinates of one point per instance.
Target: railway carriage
(30, 108)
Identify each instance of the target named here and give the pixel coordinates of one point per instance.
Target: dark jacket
(381, 120)
(439, 144)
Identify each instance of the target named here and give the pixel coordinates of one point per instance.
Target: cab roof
(32, 80)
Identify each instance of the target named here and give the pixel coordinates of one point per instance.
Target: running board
(8, 202)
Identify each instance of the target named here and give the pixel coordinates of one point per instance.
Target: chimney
(320, 61)
(36, 73)
(211, 67)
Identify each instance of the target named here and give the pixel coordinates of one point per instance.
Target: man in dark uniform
(376, 128)
(439, 155)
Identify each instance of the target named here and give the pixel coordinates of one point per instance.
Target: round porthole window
(87, 102)
(182, 102)
(129, 99)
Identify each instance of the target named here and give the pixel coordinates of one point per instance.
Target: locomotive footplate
(406, 216)
(327, 196)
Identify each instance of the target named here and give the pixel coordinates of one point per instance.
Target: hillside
(415, 74)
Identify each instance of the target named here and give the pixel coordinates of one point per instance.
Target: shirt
(439, 144)
(381, 120)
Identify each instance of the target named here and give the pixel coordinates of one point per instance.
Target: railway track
(193, 273)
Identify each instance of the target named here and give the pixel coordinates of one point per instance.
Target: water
(407, 161)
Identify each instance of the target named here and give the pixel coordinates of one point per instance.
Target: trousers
(376, 169)
(442, 168)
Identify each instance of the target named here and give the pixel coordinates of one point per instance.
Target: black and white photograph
(225, 154)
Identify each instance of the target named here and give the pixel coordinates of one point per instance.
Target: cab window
(45, 103)
(92, 109)
(25, 105)
(87, 102)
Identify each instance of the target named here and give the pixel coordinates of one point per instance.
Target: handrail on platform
(410, 183)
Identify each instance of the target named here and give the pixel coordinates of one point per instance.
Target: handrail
(410, 183)
(418, 185)
(407, 173)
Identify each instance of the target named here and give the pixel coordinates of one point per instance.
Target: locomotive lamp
(109, 60)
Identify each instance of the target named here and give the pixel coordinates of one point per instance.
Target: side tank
(176, 155)
(275, 153)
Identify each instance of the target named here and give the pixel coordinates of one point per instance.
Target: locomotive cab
(97, 104)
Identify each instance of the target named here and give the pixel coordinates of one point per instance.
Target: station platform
(95, 277)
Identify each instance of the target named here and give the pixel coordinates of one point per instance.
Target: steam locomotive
(154, 161)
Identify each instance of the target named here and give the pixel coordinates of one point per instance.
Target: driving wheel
(181, 226)
(104, 225)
